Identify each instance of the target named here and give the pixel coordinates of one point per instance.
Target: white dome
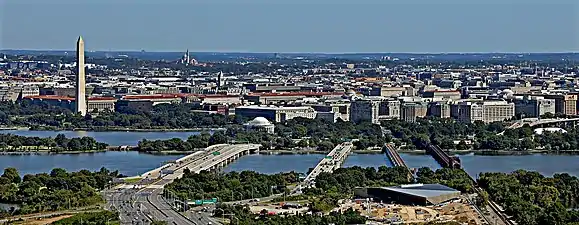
(259, 121)
(350, 92)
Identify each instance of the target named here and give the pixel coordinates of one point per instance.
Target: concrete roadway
(144, 204)
(124, 202)
(329, 164)
(147, 203)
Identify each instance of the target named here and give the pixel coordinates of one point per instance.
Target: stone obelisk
(80, 78)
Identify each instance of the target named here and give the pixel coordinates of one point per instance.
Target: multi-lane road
(331, 162)
(142, 203)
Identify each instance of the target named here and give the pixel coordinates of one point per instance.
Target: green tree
(12, 175)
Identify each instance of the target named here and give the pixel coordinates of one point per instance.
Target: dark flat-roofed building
(411, 194)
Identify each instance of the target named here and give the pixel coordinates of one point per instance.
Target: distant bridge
(533, 122)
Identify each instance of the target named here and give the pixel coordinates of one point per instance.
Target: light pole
(67, 198)
(252, 189)
(222, 213)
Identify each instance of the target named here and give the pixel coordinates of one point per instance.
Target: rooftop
(274, 107)
(423, 190)
(65, 98)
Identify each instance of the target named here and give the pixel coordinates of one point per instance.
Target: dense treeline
(532, 198)
(313, 133)
(202, 140)
(344, 180)
(231, 186)
(8, 108)
(91, 218)
(438, 131)
(454, 178)
(162, 116)
(330, 187)
(320, 131)
(244, 217)
(10, 142)
(444, 132)
(51, 192)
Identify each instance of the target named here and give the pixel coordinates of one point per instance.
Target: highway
(328, 164)
(142, 202)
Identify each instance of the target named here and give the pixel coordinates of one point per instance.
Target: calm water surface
(127, 163)
(114, 138)
(133, 163)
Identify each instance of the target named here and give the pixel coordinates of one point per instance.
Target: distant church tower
(80, 97)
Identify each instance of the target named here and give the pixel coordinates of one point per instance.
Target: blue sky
(332, 26)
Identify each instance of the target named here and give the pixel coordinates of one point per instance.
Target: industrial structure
(411, 194)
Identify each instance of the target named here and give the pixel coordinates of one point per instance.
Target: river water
(113, 138)
(133, 163)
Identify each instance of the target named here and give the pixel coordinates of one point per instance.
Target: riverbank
(117, 129)
(47, 152)
(494, 152)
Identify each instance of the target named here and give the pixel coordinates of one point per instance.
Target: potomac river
(134, 163)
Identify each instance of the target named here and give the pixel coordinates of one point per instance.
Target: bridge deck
(331, 162)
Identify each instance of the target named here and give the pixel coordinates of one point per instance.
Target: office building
(340, 109)
(564, 104)
(365, 110)
(534, 107)
(389, 109)
(439, 109)
(409, 111)
(485, 111)
(101, 104)
(437, 95)
(276, 114)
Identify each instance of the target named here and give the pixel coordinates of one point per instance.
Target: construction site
(459, 211)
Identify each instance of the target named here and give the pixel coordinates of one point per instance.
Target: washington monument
(80, 78)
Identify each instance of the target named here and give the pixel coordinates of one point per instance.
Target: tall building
(389, 109)
(365, 110)
(485, 111)
(564, 104)
(80, 98)
(409, 111)
(439, 109)
(276, 114)
(534, 107)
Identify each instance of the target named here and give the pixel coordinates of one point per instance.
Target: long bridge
(447, 161)
(213, 158)
(533, 122)
(149, 191)
(329, 163)
(396, 160)
(443, 158)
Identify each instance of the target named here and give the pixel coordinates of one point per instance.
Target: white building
(260, 124)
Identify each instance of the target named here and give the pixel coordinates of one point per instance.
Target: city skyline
(297, 27)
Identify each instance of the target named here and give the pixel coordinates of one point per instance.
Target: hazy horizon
(293, 26)
(328, 53)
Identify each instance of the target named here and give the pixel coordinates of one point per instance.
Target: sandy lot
(44, 221)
